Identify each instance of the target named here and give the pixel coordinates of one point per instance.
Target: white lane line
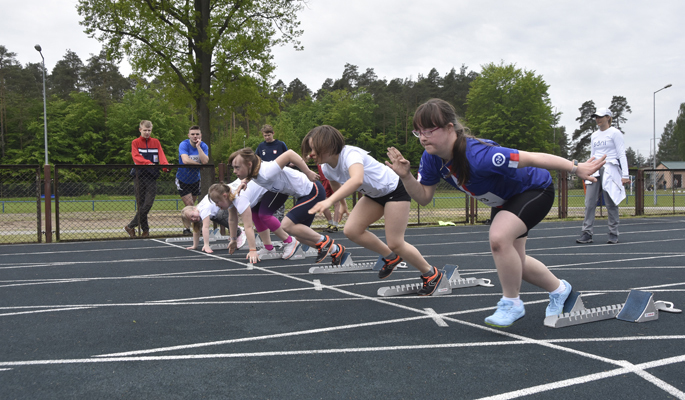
(44, 311)
(594, 377)
(436, 317)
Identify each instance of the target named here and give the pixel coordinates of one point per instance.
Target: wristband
(253, 249)
(233, 239)
(575, 166)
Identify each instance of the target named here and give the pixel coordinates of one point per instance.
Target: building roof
(673, 164)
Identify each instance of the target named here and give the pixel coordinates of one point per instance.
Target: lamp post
(654, 137)
(45, 107)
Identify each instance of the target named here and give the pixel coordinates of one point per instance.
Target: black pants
(146, 189)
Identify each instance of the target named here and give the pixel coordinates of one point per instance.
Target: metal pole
(45, 108)
(654, 137)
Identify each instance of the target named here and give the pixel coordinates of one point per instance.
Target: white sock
(516, 300)
(560, 289)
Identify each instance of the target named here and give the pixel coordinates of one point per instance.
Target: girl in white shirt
(281, 182)
(246, 203)
(610, 178)
(350, 169)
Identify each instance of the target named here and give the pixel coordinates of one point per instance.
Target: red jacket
(144, 151)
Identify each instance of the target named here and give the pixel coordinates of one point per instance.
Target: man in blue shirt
(192, 151)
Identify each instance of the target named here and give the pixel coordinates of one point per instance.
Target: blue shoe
(506, 314)
(556, 301)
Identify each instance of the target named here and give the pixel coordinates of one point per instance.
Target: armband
(575, 166)
(233, 239)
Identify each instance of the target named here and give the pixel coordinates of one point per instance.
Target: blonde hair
(216, 192)
(248, 155)
(145, 124)
(187, 222)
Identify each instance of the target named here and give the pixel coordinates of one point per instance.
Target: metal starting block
(299, 254)
(214, 235)
(451, 280)
(639, 307)
(347, 265)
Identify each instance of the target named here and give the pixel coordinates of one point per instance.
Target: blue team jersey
(189, 175)
(495, 176)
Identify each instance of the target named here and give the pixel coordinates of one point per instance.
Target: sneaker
(338, 255)
(264, 254)
(431, 283)
(324, 247)
(584, 238)
(187, 232)
(242, 239)
(131, 232)
(289, 248)
(556, 301)
(388, 267)
(506, 314)
(612, 240)
(145, 234)
(331, 228)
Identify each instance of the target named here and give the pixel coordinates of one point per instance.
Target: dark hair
(325, 138)
(249, 156)
(437, 113)
(194, 128)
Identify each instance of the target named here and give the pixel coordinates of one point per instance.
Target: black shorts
(188, 188)
(399, 194)
(531, 206)
(299, 214)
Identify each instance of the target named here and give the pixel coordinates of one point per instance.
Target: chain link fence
(95, 202)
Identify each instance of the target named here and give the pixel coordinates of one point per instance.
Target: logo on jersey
(275, 151)
(498, 159)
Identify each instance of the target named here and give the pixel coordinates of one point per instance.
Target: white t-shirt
(610, 142)
(207, 208)
(287, 180)
(249, 197)
(379, 179)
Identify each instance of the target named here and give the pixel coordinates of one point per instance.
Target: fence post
(48, 204)
(56, 203)
(640, 193)
(473, 211)
(39, 211)
(562, 202)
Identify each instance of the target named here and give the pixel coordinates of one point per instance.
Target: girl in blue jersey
(516, 184)
(350, 169)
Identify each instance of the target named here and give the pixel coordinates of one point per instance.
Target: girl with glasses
(516, 184)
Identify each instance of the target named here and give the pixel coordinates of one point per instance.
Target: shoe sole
(442, 275)
(503, 326)
(583, 241)
(287, 256)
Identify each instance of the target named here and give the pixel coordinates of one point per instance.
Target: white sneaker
(242, 238)
(265, 254)
(289, 248)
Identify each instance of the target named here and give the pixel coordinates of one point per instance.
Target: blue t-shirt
(189, 175)
(495, 176)
(270, 151)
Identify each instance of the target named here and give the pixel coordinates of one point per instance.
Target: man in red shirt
(145, 150)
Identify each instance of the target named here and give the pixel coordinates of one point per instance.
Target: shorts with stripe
(531, 206)
(188, 188)
(299, 214)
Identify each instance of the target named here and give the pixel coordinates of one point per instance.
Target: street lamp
(654, 137)
(45, 107)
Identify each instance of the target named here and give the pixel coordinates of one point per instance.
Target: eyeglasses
(427, 133)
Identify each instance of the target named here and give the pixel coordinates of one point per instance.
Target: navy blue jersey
(495, 176)
(270, 151)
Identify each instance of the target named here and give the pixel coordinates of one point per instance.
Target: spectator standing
(145, 150)
(192, 151)
(610, 178)
(269, 150)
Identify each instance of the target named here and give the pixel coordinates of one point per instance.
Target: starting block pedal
(451, 280)
(299, 254)
(214, 235)
(639, 307)
(347, 265)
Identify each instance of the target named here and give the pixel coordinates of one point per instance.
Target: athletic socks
(391, 256)
(429, 273)
(560, 289)
(516, 300)
(269, 247)
(288, 240)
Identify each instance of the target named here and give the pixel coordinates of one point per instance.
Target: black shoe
(338, 255)
(388, 267)
(324, 247)
(187, 232)
(431, 283)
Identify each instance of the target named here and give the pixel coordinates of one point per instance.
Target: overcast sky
(584, 50)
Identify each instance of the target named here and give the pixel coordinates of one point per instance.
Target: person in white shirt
(350, 169)
(281, 182)
(247, 203)
(610, 178)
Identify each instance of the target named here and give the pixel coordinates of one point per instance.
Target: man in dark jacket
(145, 150)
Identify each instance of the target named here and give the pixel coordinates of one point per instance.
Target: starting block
(451, 280)
(347, 265)
(214, 235)
(639, 307)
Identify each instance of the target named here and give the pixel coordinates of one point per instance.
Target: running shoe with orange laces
(431, 283)
(388, 267)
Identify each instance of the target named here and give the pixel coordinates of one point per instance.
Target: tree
(668, 145)
(66, 76)
(512, 107)
(196, 45)
(679, 131)
(619, 106)
(581, 136)
(104, 82)
(7, 61)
